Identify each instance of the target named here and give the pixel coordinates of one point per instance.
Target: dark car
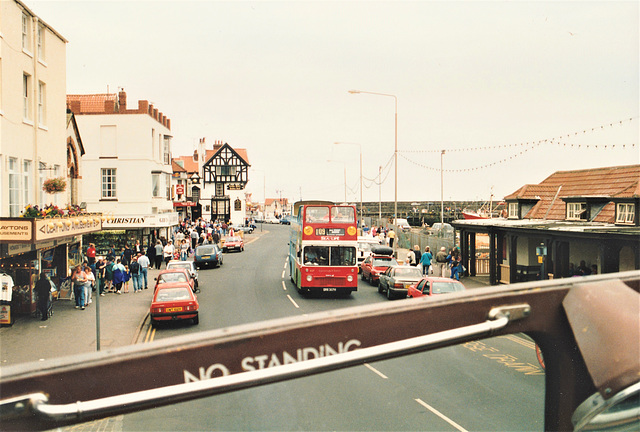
(429, 286)
(206, 255)
(285, 220)
(396, 280)
(380, 259)
(174, 301)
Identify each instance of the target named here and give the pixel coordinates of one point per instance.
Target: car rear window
(408, 272)
(173, 294)
(446, 287)
(172, 277)
(185, 265)
(384, 262)
(204, 250)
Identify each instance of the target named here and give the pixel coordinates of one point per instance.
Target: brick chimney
(122, 101)
(143, 107)
(217, 145)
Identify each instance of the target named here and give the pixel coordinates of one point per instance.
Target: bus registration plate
(329, 289)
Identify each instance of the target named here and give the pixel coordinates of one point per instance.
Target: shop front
(187, 209)
(31, 246)
(119, 231)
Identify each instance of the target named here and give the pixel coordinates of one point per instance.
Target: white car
(272, 220)
(187, 265)
(364, 248)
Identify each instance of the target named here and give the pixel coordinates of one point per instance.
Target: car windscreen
(173, 294)
(407, 272)
(233, 239)
(446, 287)
(384, 262)
(172, 277)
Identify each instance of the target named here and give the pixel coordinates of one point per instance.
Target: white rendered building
(126, 169)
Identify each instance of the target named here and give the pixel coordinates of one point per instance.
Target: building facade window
(14, 188)
(219, 189)
(27, 182)
(513, 211)
(26, 32)
(42, 103)
(167, 184)
(576, 211)
(225, 170)
(625, 213)
(109, 183)
(26, 97)
(155, 185)
(167, 150)
(41, 39)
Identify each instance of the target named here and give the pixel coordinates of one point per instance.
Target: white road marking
(284, 287)
(293, 301)
(285, 264)
(376, 371)
(283, 274)
(442, 416)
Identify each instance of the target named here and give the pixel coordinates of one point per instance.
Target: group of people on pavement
(442, 265)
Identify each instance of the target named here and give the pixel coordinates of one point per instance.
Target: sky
(510, 91)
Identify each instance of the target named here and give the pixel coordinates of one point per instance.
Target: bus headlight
(350, 278)
(309, 278)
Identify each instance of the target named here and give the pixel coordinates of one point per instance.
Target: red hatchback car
(429, 286)
(380, 259)
(232, 243)
(175, 275)
(174, 301)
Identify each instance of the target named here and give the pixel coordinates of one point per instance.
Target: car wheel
(154, 323)
(389, 295)
(364, 278)
(196, 320)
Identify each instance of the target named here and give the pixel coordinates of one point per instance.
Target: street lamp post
(345, 171)
(395, 151)
(442, 187)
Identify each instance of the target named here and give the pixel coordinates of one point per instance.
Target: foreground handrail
(37, 403)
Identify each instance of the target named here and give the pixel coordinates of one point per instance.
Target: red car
(174, 301)
(380, 259)
(232, 243)
(429, 286)
(175, 275)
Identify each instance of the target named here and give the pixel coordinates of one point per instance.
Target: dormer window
(576, 211)
(625, 213)
(513, 210)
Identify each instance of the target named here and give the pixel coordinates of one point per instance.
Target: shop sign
(180, 189)
(235, 186)
(15, 230)
(141, 221)
(5, 314)
(184, 204)
(50, 229)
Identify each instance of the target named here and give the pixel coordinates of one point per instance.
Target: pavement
(72, 331)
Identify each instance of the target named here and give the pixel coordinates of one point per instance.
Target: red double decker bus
(322, 247)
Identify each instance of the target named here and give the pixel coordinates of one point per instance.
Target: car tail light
(398, 285)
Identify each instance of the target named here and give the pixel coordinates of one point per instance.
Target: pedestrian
(195, 235)
(89, 283)
(425, 260)
(416, 255)
(137, 249)
(78, 279)
(144, 262)
(151, 254)
(127, 253)
(159, 253)
(91, 253)
(392, 236)
(118, 275)
(127, 278)
(100, 276)
(440, 269)
(134, 269)
(184, 250)
(168, 252)
(111, 255)
(108, 276)
(43, 295)
(455, 263)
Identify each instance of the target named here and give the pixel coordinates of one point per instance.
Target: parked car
(395, 280)
(206, 255)
(232, 244)
(272, 219)
(365, 244)
(175, 275)
(187, 265)
(246, 229)
(174, 301)
(285, 220)
(402, 224)
(380, 259)
(430, 285)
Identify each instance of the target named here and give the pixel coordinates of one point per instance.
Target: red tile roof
(93, 103)
(605, 183)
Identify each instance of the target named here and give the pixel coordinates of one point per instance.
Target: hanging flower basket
(54, 185)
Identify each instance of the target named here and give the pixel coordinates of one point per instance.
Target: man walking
(144, 262)
(441, 263)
